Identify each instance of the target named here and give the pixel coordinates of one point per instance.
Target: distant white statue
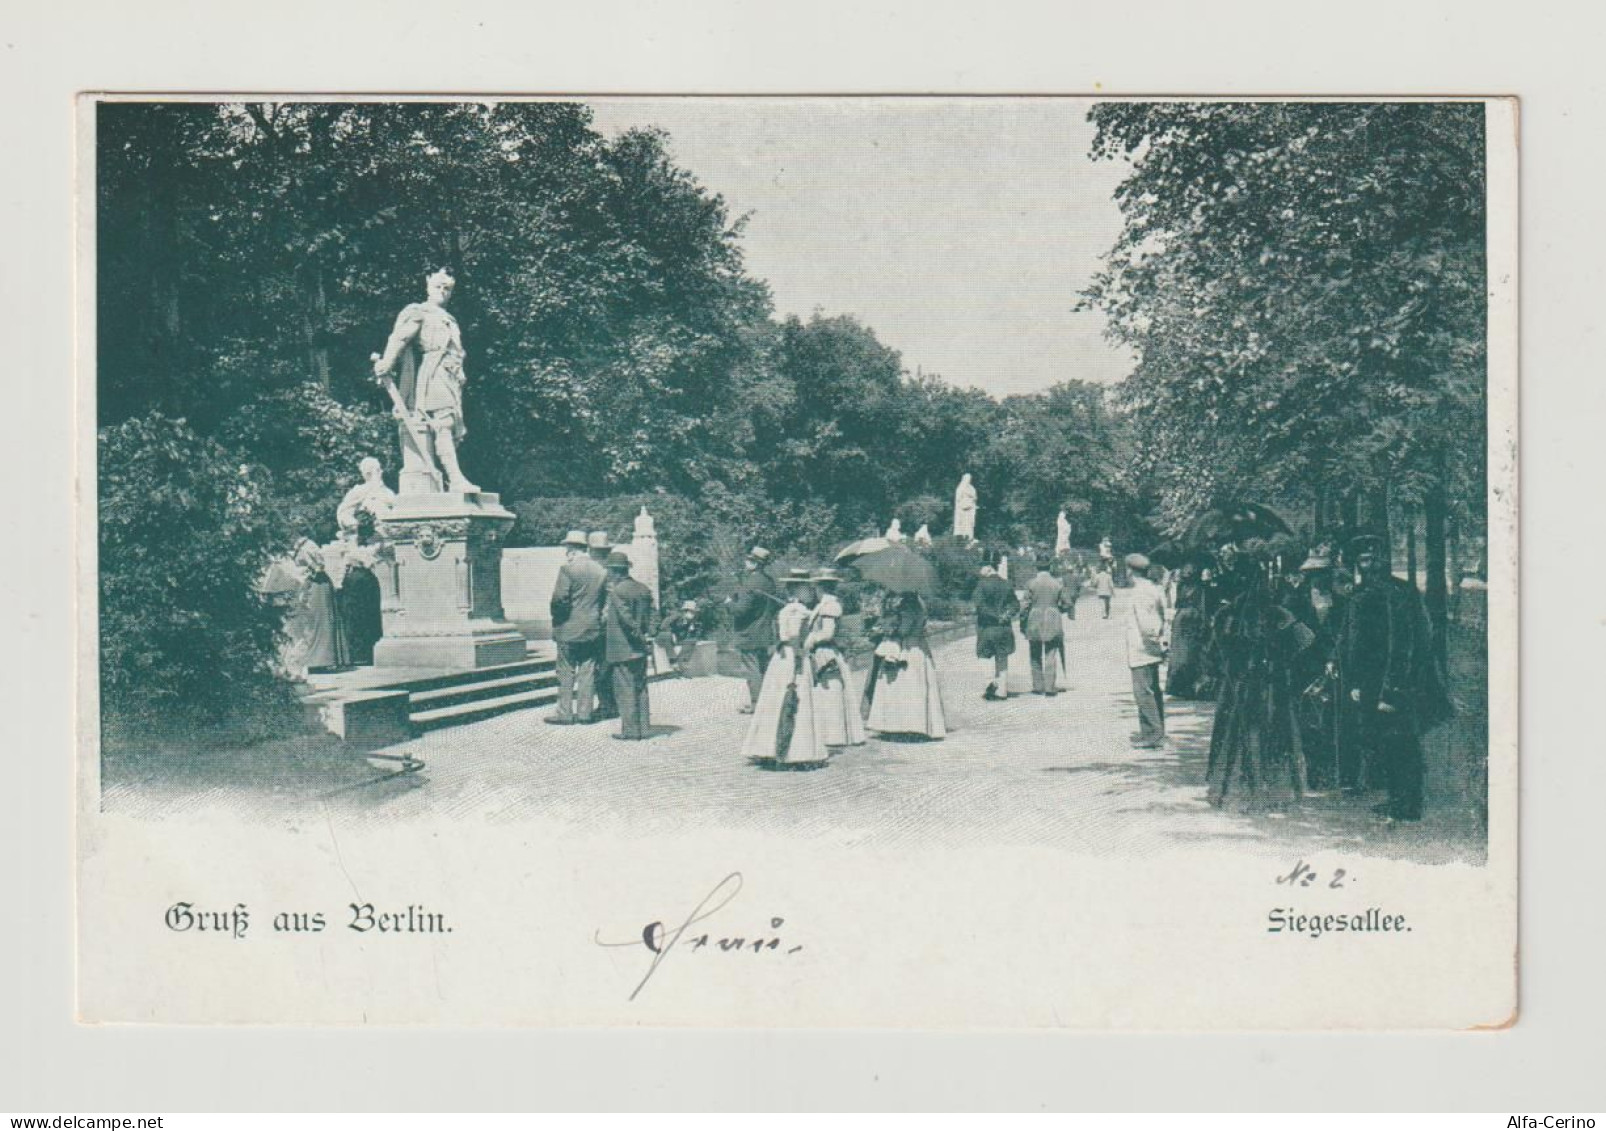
(1106, 551)
(1062, 535)
(1003, 567)
(923, 535)
(645, 526)
(965, 509)
(894, 532)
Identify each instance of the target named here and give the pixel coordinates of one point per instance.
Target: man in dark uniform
(599, 547)
(1390, 682)
(577, 630)
(628, 637)
(753, 610)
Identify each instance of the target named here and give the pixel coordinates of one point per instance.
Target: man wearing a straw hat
(1146, 642)
(577, 631)
(753, 609)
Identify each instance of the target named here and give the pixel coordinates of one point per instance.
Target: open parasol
(1237, 522)
(893, 566)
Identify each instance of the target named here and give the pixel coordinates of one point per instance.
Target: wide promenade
(1054, 772)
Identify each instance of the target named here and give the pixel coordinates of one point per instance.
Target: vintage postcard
(912, 562)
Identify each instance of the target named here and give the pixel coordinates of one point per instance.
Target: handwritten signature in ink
(661, 940)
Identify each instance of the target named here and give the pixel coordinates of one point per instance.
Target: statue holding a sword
(428, 403)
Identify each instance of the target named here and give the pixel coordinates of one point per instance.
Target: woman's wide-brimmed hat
(1315, 562)
(797, 577)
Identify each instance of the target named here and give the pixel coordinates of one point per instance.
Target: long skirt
(1257, 755)
(1184, 665)
(836, 706)
(322, 628)
(784, 727)
(360, 615)
(907, 698)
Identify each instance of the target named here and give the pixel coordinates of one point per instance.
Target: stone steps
(369, 709)
(472, 710)
(468, 692)
(460, 697)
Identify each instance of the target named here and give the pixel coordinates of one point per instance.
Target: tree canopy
(251, 256)
(1303, 284)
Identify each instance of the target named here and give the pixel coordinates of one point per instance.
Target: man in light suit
(1147, 638)
(627, 639)
(577, 628)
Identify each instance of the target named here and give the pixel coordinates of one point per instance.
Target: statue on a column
(429, 402)
(1062, 534)
(965, 509)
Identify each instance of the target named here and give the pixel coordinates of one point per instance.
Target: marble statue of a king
(429, 402)
(440, 577)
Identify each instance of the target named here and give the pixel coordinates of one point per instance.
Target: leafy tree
(184, 534)
(1303, 285)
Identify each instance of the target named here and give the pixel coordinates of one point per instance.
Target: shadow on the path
(773, 766)
(160, 776)
(1328, 821)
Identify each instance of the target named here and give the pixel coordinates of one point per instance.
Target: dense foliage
(252, 256)
(185, 531)
(1304, 286)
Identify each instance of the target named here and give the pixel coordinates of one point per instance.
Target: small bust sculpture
(366, 503)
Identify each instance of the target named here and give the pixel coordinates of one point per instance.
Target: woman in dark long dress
(1257, 756)
(1184, 664)
(1314, 603)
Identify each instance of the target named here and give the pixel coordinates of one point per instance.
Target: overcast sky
(960, 230)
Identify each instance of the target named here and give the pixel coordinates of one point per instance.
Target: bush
(689, 558)
(922, 510)
(949, 609)
(958, 563)
(185, 532)
(311, 444)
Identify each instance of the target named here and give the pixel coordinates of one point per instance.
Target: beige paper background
(1467, 46)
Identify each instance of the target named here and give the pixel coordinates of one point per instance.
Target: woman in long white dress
(784, 728)
(836, 702)
(906, 697)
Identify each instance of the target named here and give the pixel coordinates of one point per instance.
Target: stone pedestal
(441, 583)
